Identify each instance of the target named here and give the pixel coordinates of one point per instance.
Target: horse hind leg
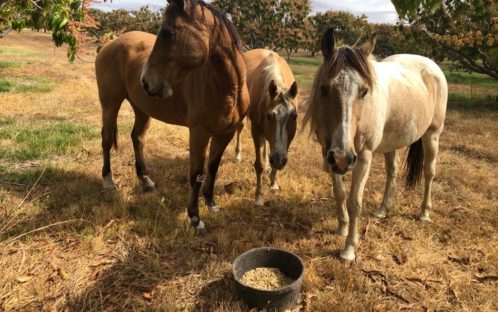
(391, 164)
(430, 142)
(142, 123)
(110, 110)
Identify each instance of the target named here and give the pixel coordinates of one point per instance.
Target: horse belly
(395, 139)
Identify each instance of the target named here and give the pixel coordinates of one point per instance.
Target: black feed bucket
(278, 299)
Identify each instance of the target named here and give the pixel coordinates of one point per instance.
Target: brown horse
(273, 111)
(192, 74)
(359, 106)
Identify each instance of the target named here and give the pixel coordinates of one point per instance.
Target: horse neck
(225, 69)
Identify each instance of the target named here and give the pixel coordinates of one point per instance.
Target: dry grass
(133, 251)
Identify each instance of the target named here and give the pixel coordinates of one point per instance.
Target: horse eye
(167, 34)
(363, 92)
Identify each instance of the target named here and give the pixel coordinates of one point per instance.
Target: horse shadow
(172, 251)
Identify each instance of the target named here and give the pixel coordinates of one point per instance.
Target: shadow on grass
(161, 248)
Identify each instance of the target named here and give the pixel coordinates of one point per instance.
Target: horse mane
(221, 22)
(343, 57)
(271, 71)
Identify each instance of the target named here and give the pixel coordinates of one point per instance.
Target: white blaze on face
(281, 115)
(347, 83)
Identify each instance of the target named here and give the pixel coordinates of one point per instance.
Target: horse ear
(293, 90)
(178, 3)
(369, 46)
(328, 43)
(272, 89)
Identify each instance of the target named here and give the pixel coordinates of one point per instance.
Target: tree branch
(471, 64)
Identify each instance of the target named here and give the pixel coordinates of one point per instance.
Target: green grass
(304, 61)
(20, 141)
(29, 84)
(8, 51)
(8, 64)
(466, 78)
(461, 77)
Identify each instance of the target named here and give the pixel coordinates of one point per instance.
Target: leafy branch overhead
(65, 19)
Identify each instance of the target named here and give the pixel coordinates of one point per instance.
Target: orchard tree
(293, 34)
(396, 39)
(348, 28)
(467, 30)
(273, 24)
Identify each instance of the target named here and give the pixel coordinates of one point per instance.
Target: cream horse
(359, 106)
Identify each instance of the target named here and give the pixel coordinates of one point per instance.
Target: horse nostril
(351, 158)
(145, 85)
(272, 160)
(284, 161)
(330, 158)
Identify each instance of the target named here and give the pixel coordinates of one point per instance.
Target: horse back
(117, 59)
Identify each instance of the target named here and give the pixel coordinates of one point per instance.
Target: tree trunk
(5, 32)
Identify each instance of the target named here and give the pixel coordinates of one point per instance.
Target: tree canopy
(465, 30)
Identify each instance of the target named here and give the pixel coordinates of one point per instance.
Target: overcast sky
(378, 11)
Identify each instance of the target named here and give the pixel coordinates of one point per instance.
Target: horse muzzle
(278, 160)
(340, 161)
(162, 90)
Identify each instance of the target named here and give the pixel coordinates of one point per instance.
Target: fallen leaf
(486, 278)
(62, 273)
(147, 296)
(23, 278)
(464, 260)
(230, 188)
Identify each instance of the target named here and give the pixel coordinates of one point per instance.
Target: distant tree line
(285, 26)
(465, 31)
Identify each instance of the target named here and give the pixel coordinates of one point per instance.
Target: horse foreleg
(110, 109)
(273, 180)
(198, 142)
(340, 198)
(355, 201)
(217, 148)
(266, 159)
(142, 123)
(430, 142)
(238, 148)
(258, 138)
(391, 164)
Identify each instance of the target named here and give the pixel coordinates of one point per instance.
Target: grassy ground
(66, 245)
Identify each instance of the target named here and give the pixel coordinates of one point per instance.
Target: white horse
(358, 106)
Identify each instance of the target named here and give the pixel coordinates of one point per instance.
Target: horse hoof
(108, 184)
(347, 256)
(275, 187)
(258, 202)
(148, 184)
(214, 208)
(424, 218)
(201, 229)
(381, 214)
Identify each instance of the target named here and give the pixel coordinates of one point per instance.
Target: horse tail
(414, 164)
